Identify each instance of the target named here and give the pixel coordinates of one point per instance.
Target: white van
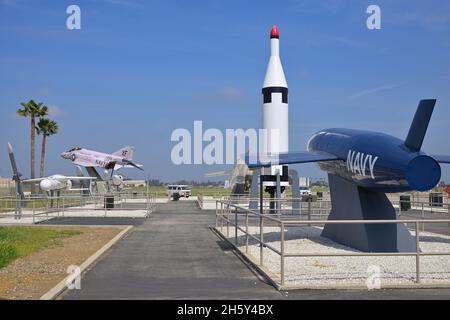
(182, 190)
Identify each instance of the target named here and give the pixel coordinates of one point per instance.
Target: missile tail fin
(441, 158)
(16, 174)
(419, 125)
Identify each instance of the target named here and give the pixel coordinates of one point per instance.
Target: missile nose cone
(10, 149)
(423, 173)
(274, 33)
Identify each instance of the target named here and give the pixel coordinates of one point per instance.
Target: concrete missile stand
(350, 202)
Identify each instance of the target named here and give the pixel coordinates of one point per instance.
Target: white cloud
(224, 94)
(373, 90)
(230, 93)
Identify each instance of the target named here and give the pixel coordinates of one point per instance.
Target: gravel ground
(345, 271)
(32, 276)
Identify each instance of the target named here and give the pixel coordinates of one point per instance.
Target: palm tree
(47, 128)
(32, 110)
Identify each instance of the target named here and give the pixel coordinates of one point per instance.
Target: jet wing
(441, 158)
(256, 161)
(129, 164)
(34, 180)
(79, 178)
(84, 163)
(219, 173)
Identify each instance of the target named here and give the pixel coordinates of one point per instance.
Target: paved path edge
(57, 290)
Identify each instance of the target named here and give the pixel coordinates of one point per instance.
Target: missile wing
(441, 158)
(256, 161)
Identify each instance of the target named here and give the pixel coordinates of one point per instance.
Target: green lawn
(17, 242)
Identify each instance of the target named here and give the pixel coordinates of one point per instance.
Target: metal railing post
(228, 220)
(217, 214)
(246, 231)
(309, 211)
(448, 209)
(423, 218)
(261, 241)
(417, 253)
(282, 255)
(235, 227)
(63, 205)
(221, 217)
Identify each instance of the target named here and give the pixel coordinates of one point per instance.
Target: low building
(134, 183)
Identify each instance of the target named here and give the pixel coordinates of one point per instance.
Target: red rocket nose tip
(274, 33)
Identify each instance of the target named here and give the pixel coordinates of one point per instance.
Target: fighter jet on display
(92, 159)
(115, 161)
(48, 184)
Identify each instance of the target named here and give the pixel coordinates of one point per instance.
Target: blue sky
(137, 70)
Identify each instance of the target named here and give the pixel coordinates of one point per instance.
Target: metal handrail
(41, 206)
(224, 210)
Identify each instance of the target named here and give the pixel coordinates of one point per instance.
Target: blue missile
(372, 160)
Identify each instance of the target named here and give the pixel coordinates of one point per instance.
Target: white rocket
(275, 110)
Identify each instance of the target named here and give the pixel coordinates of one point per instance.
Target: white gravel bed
(345, 271)
(71, 212)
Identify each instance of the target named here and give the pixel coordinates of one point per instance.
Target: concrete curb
(53, 293)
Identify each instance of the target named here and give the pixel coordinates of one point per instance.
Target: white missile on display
(275, 110)
(57, 182)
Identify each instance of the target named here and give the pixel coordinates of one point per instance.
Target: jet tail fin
(419, 125)
(126, 153)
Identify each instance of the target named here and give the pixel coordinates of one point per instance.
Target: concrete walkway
(174, 255)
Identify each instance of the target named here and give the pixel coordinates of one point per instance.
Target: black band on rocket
(267, 93)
